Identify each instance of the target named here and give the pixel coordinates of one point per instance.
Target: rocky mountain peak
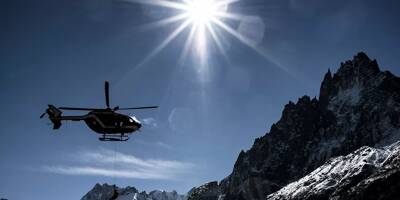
(360, 67)
(351, 74)
(105, 192)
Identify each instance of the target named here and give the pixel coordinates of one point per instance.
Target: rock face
(367, 173)
(105, 192)
(358, 106)
(208, 191)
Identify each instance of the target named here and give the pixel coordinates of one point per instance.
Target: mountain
(367, 173)
(358, 106)
(105, 192)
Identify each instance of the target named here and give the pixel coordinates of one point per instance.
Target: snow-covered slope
(105, 192)
(367, 173)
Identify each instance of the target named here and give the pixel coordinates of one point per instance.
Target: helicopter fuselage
(110, 122)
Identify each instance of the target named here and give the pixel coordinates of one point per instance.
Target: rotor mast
(107, 93)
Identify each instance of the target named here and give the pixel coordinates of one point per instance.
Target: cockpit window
(133, 119)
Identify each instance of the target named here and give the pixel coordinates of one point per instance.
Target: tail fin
(55, 116)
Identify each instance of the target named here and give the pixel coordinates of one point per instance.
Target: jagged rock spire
(325, 89)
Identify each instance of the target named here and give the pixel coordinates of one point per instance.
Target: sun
(206, 20)
(201, 12)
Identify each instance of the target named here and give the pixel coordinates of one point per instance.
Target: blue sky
(61, 52)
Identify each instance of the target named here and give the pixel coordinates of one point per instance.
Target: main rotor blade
(136, 108)
(107, 93)
(72, 108)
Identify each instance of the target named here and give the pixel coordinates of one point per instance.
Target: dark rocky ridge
(358, 106)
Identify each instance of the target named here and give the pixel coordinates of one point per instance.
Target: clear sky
(211, 107)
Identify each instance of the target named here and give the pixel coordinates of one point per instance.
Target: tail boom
(55, 116)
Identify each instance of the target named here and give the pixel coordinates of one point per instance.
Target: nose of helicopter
(136, 122)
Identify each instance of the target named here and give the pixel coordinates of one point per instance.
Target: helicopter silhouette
(106, 121)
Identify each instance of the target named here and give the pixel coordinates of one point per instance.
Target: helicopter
(111, 125)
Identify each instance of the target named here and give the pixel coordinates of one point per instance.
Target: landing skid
(114, 138)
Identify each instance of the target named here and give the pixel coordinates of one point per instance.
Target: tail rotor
(54, 116)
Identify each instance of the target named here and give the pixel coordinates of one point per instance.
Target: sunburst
(203, 17)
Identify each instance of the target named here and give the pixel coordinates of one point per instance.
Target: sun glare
(201, 12)
(204, 18)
